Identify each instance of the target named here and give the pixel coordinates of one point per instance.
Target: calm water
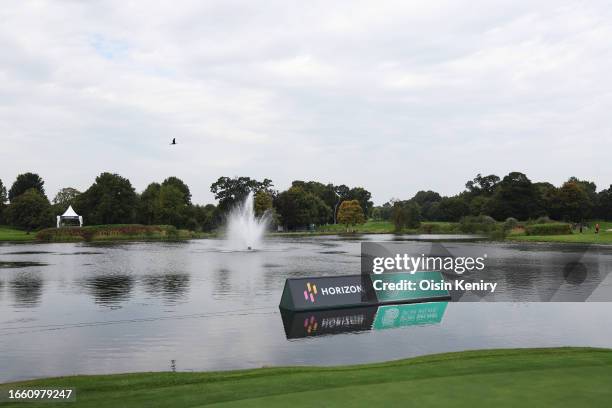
(82, 308)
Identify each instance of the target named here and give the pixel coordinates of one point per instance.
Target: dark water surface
(90, 309)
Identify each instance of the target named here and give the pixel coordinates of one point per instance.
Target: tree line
(514, 196)
(112, 199)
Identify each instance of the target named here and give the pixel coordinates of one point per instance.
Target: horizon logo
(310, 325)
(341, 290)
(310, 292)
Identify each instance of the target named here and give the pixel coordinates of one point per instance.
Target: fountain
(244, 230)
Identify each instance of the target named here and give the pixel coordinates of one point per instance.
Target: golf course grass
(555, 377)
(587, 236)
(11, 234)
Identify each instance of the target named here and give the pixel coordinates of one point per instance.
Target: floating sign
(361, 290)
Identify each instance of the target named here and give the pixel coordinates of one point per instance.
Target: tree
(326, 192)
(427, 201)
(3, 199)
(452, 209)
(604, 207)
(363, 196)
(515, 197)
(350, 213)
(262, 203)
(24, 182)
(111, 199)
(172, 207)
(66, 196)
(573, 201)
(546, 194)
(181, 186)
(30, 210)
(482, 185)
(229, 191)
(3, 196)
(406, 214)
(206, 216)
(590, 189)
(148, 206)
(479, 205)
(299, 208)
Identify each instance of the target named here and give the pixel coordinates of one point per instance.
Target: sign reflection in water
(337, 321)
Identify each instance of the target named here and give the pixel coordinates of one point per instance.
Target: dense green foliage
(30, 210)
(230, 191)
(24, 182)
(112, 199)
(405, 214)
(350, 213)
(298, 208)
(3, 198)
(513, 196)
(556, 377)
(553, 228)
(262, 203)
(66, 197)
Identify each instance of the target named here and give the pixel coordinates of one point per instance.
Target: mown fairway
(559, 377)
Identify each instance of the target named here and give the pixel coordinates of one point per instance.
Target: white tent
(70, 214)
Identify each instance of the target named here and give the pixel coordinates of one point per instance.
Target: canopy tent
(70, 214)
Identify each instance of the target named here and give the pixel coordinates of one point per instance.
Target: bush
(549, 229)
(112, 232)
(543, 220)
(510, 223)
(438, 227)
(474, 224)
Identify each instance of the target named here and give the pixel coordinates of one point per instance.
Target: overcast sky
(392, 96)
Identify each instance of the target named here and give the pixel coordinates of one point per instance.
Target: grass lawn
(588, 236)
(370, 226)
(559, 377)
(10, 234)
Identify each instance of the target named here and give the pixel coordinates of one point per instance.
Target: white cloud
(393, 96)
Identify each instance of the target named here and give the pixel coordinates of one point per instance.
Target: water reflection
(172, 286)
(109, 289)
(359, 319)
(26, 289)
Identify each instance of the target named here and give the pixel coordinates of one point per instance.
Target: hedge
(438, 227)
(111, 232)
(548, 229)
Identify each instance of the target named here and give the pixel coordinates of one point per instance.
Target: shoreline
(155, 233)
(553, 239)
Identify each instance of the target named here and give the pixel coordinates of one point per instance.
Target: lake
(81, 308)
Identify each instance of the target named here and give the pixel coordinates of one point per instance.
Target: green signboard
(394, 316)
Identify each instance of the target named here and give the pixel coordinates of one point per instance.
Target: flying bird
(173, 141)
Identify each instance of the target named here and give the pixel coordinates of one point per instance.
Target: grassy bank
(588, 235)
(117, 232)
(11, 234)
(559, 377)
(370, 227)
(387, 227)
